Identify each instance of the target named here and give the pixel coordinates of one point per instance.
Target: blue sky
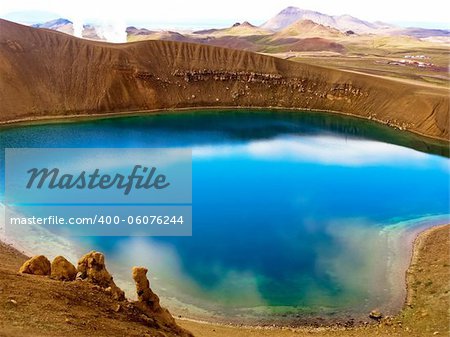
(200, 13)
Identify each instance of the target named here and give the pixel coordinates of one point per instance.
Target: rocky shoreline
(431, 244)
(91, 270)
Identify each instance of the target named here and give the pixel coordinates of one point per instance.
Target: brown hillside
(309, 44)
(308, 28)
(50, 74)
(241, 29)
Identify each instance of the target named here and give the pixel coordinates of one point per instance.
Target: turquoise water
(294, 215)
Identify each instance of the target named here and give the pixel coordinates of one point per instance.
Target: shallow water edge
(401, 237)
(73, 118)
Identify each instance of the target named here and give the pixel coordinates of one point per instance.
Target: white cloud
(77, 160)
(172, 284)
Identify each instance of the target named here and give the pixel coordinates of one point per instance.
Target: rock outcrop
(148, 303)
(91, 267)
(83, 307)
(62, 269)
(145, 294)
(37, 265)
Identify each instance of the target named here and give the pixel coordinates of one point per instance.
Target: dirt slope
(32, 305)
(50, 74)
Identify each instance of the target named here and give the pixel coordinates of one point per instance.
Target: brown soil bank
(36, 305)
(46, 74)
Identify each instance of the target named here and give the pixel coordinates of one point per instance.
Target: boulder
(63, 270)
(376, 314)
(91, 267)
(37, 265)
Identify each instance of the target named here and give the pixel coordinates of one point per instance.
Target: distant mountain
(343, 22)
(276, 35)
(205, 31)
(138, 31)
(346, 23)
(53, 24)
(134, 34)
(66, 26)
(238, 29)
(61, 25)
(307, 28)
(422, 32)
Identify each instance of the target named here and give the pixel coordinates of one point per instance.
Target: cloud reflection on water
(170, 281)
(320, 149)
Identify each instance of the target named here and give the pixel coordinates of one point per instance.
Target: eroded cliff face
(46, 73)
